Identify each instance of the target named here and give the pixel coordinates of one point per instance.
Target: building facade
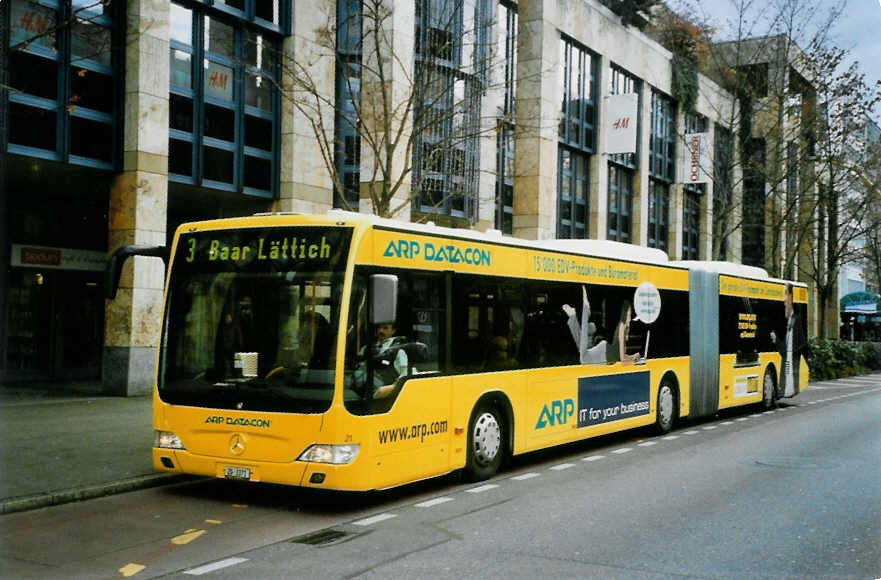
(540, 118)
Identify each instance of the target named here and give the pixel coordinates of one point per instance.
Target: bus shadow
(322, 501)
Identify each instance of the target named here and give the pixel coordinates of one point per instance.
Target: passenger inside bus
(498, 357)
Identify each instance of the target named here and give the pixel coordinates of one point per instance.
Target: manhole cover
(322, 538)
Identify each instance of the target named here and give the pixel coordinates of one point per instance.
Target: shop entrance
(55, 324)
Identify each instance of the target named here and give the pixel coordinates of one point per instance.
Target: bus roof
(593, 248)
(732, 269)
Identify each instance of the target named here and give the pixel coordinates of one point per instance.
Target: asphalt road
(791, 493)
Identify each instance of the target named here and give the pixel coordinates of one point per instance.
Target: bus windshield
(251, 319)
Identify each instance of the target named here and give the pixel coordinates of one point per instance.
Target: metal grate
(322, 538)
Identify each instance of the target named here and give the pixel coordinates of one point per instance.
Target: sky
(858, 30)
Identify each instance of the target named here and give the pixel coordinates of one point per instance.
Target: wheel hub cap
(487, 438)
(666, 405)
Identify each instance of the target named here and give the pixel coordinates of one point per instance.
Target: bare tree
(412, 114)
(756, 59)
(847, 197)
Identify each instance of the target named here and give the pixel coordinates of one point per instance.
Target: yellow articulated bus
(350, 352)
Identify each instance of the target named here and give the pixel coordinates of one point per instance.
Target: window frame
(197, 139)
(581, 66)
(64, 106)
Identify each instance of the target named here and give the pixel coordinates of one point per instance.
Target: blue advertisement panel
(612, 398)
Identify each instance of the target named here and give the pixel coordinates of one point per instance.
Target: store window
(577, 135)
(224, 114)
(723, 195)
(622, 167)
(506, 37)
(662, 169)
(347, 155)
(692, 194)
(452, 53)
(65, 79)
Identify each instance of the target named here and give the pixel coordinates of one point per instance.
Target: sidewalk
(62, 443)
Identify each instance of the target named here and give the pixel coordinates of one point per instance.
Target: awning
(861, 303)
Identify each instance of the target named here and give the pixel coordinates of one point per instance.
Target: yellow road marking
(187, 537)
(130, 570)
(215, 522)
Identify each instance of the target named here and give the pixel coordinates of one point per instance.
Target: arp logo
(558, 413)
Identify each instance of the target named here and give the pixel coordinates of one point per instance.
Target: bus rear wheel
(769, 391)
(666, 414)
(486, 443)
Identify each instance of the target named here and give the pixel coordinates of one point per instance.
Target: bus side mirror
(383, 298)
(117, 261)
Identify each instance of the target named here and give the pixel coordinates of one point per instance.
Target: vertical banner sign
(697, 160)
(621, 115)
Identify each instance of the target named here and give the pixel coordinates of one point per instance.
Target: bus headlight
(167, 440)
(333, 454)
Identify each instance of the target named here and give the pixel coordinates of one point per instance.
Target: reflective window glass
(180, 113)
(218, 164)
(220, 123)
(91, 89)
(181, 69)
(219, 38)
(180, 157)
(181, 24)
(268, 10)
(219, 80)
(32, 127)
(90, 41)
(31, 23)
(33, 75)
(258, 133)
(91, 139)
(258, 173)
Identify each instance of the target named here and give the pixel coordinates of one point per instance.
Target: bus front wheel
(666, 414)
(486, 443)
(769, 390)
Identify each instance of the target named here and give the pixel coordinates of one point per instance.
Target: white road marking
(219, 565)
(482, 488)
(526, 476)
(670, 437)
(593, 458)
(646, 443)
(622, 450)
(692, 432)
(434, 502)
(374, 520)
(710, 427)
(562, 466)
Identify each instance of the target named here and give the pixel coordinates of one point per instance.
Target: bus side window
(487, 315)
(426, 322)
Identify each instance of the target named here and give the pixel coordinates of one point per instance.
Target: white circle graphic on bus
(647, 303)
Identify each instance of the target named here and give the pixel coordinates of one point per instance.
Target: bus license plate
(237, 473)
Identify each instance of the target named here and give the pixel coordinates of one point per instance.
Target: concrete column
(395, 27)
(139, 202)
(599, 163)
(537, 114)
(676, 220)
(641, 179)
(705, 238)
(306, 185)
